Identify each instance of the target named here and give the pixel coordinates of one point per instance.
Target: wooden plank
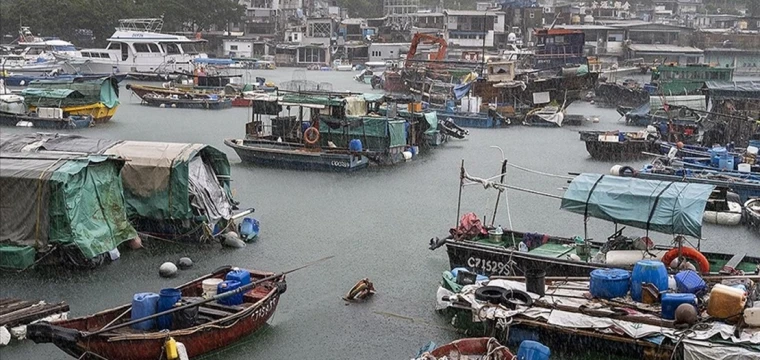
(735, 260)
(30, 314)
(212, 312)
(6, 301)
(15, 306)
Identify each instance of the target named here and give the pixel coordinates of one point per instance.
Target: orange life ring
(689, 253)
(311, 135)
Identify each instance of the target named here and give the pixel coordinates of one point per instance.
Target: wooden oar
(214, 298)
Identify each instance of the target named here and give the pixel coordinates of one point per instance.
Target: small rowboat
(752, 210)
(470, 348)
(217, 326)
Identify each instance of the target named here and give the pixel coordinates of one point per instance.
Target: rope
(532, 171)
(499, 186)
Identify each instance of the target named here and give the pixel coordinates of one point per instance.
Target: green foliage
(63, 17)
(363, 8)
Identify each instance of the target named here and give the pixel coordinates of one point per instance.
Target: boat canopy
(70, 201)
(719, 90)
(376, 133)
(161, 181)
(101, 90)
(305, 100)
(662, 206)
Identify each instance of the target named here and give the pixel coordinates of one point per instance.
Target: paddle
(214, 298)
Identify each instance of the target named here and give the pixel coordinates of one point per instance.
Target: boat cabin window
(64, 48)
(85, 54)
(189, 48)
(141, 47)
(34, 51)
(154, 48)
(171, 48)
(113, 46)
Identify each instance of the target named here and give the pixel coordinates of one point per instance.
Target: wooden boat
(723, 208)
(482, 348)
(36, 121)
(218, 325)
(607, 145)
(267, 151)
(752, 212)
(210, 102)
(471, 246)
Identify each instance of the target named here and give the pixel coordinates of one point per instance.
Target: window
(113, 46)
(171, 48)
(233, 47)
(496, 19)
(559, 39)
(140, 47)
(154, 48)
(85, 54)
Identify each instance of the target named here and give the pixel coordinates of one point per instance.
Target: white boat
(338, 65)
(724, 209)
(36, 54)
(139, 46)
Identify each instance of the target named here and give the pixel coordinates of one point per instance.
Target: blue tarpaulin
(462, 89)
(662, 206)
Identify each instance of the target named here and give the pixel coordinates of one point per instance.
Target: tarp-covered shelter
(662, 206)
(733, 90)
(44, 93)
(376, 133)
(71, 202)
(175, 184)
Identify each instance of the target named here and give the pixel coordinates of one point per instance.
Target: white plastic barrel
(407, 155)
(752, 150)
(745, 168)
(209, 287)
(625, 258)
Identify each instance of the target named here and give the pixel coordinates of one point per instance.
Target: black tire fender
(491, 294)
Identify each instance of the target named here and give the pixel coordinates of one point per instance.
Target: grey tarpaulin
(733, 90)
(717, 352)
(207, 196)
(24, 197)
(54, 142)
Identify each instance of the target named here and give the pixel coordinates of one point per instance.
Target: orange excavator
(426, 39)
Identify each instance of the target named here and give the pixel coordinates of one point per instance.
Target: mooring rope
(499, 186)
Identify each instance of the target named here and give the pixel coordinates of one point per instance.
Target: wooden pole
(461, 185)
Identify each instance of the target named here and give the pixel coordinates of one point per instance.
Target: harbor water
(377, 223)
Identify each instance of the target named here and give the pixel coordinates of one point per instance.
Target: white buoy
(185, 263)
(162, 105)
(174, 106)
(231, 239)
(615, 170)
(167, 269)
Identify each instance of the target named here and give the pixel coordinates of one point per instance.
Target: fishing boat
(208, 102)
(628, 94)
(723, 208)
(216, 326)
(619, 145)
(744, 184)
(483, 250)
(96, 97)
(46, 118)
(483, 348)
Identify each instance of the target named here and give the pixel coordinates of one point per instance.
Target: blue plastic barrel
(726, 163)
(609, 283)
(241, 276)
(249, 228)
(716, 154)
(144, 304)
(648, 271)
(226, 286)
(533, 350)
(305, 125)
(670, 303)
(355, 145)
(167, 299)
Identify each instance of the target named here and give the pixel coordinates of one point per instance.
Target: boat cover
(376, 133)
(662, 206)
(432, 120)
(298, 100)
(63, 200)
(734, 90)
(101, 90)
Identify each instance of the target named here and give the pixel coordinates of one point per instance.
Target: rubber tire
(626, 171)
(491, 294)
(510, 295)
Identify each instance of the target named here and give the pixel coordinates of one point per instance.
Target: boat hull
(188, 103)
(271, 155)
(615, 151)
(77, 122)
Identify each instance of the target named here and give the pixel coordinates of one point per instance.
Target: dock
(15, 314)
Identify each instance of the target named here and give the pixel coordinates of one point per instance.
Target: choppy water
(377, 224)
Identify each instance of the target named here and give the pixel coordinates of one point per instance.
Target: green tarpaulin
(104, 90)
(62, 200)
(373, 97)
(666, 207)
(376, 133)
(432, 120)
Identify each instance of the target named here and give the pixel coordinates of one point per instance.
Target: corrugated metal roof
(657, 48)
(586, 27)
(470, 12)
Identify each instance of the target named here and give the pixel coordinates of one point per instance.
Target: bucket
(752, 149)
(535, 281)
(355, 145)
(166, 300)
(745, 168)
(533, 350)
(143, 305)
(494, 236)
(209, 287)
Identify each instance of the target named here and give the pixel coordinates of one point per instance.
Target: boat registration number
(340, 164)
(488, 266)
(264, 310)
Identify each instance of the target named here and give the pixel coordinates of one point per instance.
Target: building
(601, 40)
(715, 21)
(401, 12)
(388, 51)
(474, 29)
(652, 53)
(642, 32)
(739, 49)
(244, 47)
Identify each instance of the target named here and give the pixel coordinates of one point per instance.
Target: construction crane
(426, 39)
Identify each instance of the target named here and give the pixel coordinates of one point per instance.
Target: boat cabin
(682, 80)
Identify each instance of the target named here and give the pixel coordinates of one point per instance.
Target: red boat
(218, 325)
(240, 101)
(488, 348)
